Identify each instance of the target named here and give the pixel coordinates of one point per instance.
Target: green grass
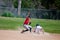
(52, 26)
(10, 23)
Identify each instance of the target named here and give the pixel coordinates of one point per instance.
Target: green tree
(15, 3)
(36, 3)
(50, 3)
(27, 4)
(47, 3)
(57, 2)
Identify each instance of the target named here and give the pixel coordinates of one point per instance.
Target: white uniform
(38, 28)
(27, 26)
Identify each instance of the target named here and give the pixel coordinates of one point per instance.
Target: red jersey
(27, 20)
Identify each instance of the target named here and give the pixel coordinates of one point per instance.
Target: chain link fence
(41, 13)
(8, 9)
(35, 13)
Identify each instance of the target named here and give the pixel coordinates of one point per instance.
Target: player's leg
(42, 30)
(30, 29)
(24, 31)
(25, 26)
(38, 29)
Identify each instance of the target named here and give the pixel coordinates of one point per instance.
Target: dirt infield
(16, 35)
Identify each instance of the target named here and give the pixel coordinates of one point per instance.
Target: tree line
(52, 5)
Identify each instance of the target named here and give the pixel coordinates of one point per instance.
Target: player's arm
(29, 21)
(34, 30)
(28, 14)
(42, 30)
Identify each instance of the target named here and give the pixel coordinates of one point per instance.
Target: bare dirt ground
(16, 35)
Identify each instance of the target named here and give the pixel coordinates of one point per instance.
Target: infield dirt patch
(16, 35)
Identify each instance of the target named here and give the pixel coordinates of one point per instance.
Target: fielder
(27, 23)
